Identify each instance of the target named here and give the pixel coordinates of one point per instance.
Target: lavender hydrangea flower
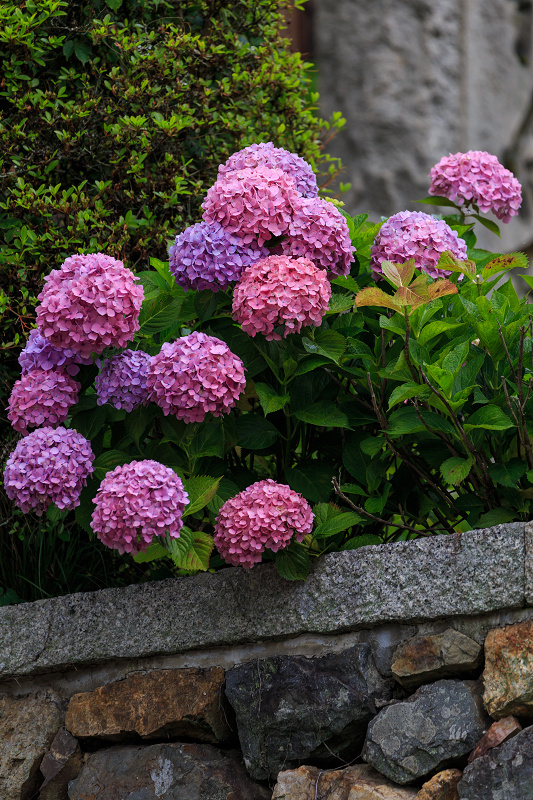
(477, 177)
(50, 465)
(122, 380)
(137, 502)
(266, 155)
(39, 353)
(194, 376)
(41, 397)
(265, 515)
(207, 256)
(413, 234)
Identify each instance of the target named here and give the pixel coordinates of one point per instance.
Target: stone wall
(419, 79)
(397, 672)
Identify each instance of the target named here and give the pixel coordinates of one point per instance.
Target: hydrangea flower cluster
(265, 515)
(122, 380)
(477, 177)
(255, 204)
(318, 231)
(136, 502)
(41, 397)
(266, 155)
(40, 354)
(48, 466)
(413, 234)
(207, 256)
(280, 291)
(90, 303)
(195, 375)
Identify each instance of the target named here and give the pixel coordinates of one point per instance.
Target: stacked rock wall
(318, 704)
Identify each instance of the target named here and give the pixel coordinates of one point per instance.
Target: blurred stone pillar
(418, 79)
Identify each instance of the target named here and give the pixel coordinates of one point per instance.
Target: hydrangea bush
(296, 381)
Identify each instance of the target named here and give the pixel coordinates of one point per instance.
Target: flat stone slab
(432, 578)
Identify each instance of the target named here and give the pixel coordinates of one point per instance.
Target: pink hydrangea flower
(280, 291)
(477, 177)
(265, 515)
(266, 155)
(90, 303)
(207, 256)
(194, 376)
(255, 204)
(122, 380)
(413, 234)
(136, 502)
(40, 354)
(41, 397)
(48, 466)
(318, 231)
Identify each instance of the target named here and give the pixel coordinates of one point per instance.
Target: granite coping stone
(425, 579)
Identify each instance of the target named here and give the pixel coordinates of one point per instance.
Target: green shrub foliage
(114, 117)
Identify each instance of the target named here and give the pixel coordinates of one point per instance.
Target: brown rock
(442, 786)
(27, 727)
(165, 772)
(508, 675)
(165, 702)
(359, 782)
(500, 731)
(60, 765)
(427, 658)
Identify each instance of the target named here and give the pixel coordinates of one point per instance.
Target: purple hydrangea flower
(41, 397)
(266, 155)
(39, 353)
(136, 502)
(50, 465)
(413, 234)
(477, 177)
(318, 231)
(122, 380)
(194, 376)
(207, 256)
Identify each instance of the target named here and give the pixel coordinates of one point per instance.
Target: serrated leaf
(293, 562)
(405, 391)
(490, 418)
(346, 282)
(372, 296)
(450, 262)
(269, 399)
(364, 540)
(226, 490)
(159, 314)
(336, 524)
(201, 490)
(153, 553)
(405, 296)
(107, 461)
(435, 328)
(372, 446)
(508, 474)
(504, 263)
(197, 558)
(312, 479)
(339, 302)
(455, 469)
(324, 414)
(255, 432)
(328, 343)
(399, 274)
(496, 516)
(138, 420)
(208, 440)
(163, 269)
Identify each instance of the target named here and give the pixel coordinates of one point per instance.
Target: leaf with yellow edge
(405, 296)
(399, 274)
(372, 296)
(504, 263)
(453, 264)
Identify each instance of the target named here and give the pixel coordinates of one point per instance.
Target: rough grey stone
(423, 659)
(528, 566)
(429, 731)
(504, 773)
(441, 576)
(165, 772)
(291, 708)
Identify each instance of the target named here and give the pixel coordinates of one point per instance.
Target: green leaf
(163, 269)
(68, 48)
(339, 302)
(114, 5)
(107, 461)
(455, 470)
(495, 517)
(89, 423)
(269, 399)
(312, 479)
(199, 553)
(504, 263)
(324, 414)
(293, 562)
(490, 418)
(336, 524)
(138, 420)
(488, 223)
(82, 52)
(508, 474)
(399, 274)
(159, 314)
(226, 490)
(346, 282)
(208, 440)
(456, 358)
(255, 432)
(405, 420)
(361, 541)
(437, 200)
(407, 390)
(450, 262)
(326, 343)
(435, 328)
(357, 349)
(201, 490)
(373, 445)
(153, 553)
(309, 363)
(372, 296)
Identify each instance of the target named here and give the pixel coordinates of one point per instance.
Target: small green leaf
(364, 540)
(153, 553)
(107, 461)
(208, 440)
(328, 343)
(405, 391)
(82, 52)
(269, 399)
(437, 200)
(309, 363)
(339, 303)
(293, 562)
(201, 490)
(324, 414)
(455, 469)
(336, 524)
(199, 553)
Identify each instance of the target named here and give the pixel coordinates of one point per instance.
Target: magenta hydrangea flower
(265, 515)
(318, 231)
(50, 465)
(266, 155)
(477, 177)
(280, 292)
(136, 502)
(413, 234)
(41, 397)
(194, 376)
(255, 204)
(122, 380)
(90, 303)
(207, 256)
(40, 354)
